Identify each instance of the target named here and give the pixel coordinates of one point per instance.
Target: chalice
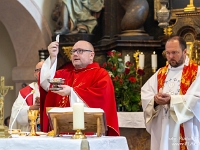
(55, 82)
(32, 115)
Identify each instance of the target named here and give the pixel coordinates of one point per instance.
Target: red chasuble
(93, 86)
(24, 92)
(188, 76)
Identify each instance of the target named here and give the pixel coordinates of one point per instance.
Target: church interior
(27, 28)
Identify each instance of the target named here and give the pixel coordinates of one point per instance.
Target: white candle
(78, 116)
(154, 60)
(126, 58)
(141, 60)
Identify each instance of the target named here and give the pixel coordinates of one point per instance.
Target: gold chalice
(55, 82)
(32, 115)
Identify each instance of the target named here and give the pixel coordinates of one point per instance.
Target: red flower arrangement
(126, 81)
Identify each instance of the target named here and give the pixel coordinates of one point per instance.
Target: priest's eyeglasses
(37, 70)
(79, 51)
(173, 53)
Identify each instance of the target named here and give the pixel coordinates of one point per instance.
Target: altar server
(28, 99)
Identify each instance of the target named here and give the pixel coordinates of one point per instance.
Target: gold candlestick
(32, 115)
(78, 135)
(190, 7)
(154, 70)
(136, 56)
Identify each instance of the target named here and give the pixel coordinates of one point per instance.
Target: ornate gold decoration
(32, 115)
(174, 12)
(3, 91)
(195, 51)
(190, 7)
(67, 50)
(167, 30)
(189, 49)
(136, 56)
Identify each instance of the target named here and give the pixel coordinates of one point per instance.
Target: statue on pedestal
(135, 15)
(77, 16)
(136, 12)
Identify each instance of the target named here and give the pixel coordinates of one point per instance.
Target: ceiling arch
(27, 29)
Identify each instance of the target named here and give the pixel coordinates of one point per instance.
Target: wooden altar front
(133, 128)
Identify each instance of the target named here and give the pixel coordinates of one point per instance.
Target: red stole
(188, 76)
(24, 92)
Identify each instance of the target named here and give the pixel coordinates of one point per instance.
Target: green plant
(126, 81)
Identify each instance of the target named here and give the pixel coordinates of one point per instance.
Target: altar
(63, 143)
(133, 128)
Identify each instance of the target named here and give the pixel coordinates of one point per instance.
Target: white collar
(186, 63)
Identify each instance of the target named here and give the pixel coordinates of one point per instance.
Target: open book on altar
(61, 120)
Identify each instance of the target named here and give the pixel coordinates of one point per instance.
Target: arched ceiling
(27, 29)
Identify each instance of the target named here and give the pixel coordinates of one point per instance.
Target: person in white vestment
(32, 103)
(171, 101)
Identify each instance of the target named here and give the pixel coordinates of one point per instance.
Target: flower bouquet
(126, 81)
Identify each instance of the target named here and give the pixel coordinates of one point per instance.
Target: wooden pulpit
(61, 120)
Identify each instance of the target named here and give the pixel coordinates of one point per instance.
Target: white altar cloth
(131, 119)
(63, 143)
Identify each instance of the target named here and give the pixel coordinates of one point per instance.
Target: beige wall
(7, 62)
(46, 7)
(25, 28)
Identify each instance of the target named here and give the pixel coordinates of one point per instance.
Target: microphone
(33, 91)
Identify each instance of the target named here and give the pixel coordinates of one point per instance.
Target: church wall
(7, 61)
(46, 7)
(25, 28)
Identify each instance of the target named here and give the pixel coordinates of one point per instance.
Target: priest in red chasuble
(84, 80)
